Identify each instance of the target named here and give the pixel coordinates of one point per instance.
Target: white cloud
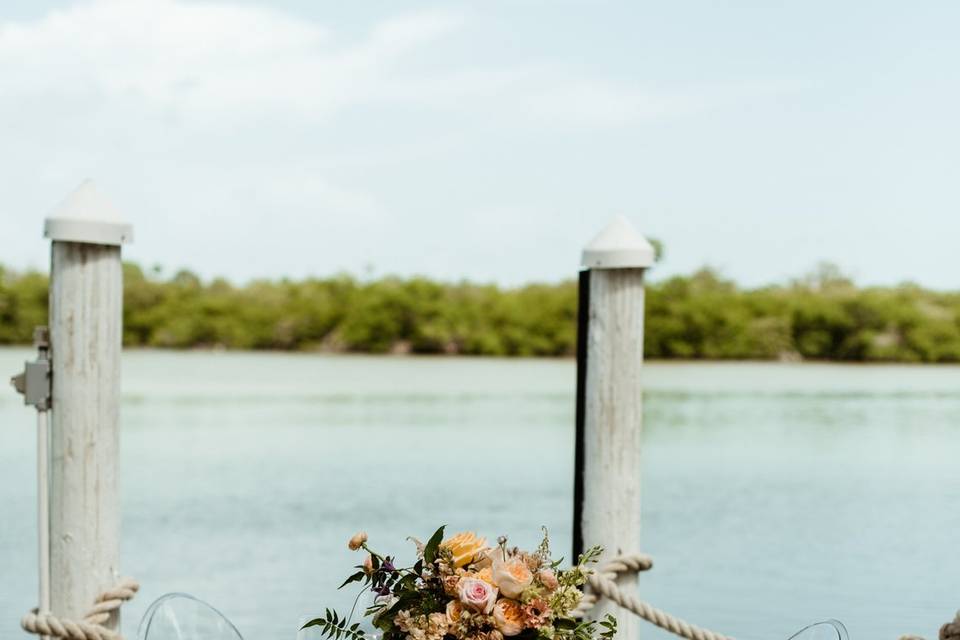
(244, 126)
(220, 64)
(202, 60)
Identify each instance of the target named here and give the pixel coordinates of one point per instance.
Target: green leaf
(333, 627)
(314, 623)
(609, 623)
(357, 577)
(430, 551)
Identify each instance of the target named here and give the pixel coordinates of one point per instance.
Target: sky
(490, 140)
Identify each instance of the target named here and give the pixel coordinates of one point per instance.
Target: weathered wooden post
(609, 416)
(86, 302)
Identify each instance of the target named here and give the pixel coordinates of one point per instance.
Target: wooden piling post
(85, 317)
(609, 400)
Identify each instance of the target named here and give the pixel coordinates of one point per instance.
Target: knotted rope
(951, 630)
(91, 626)
(603, 584)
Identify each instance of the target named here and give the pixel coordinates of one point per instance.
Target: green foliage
(430, 550)
(587, 629)
(23, 305)
(822, 316)
(331, 625)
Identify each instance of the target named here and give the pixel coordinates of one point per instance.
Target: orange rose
(508, 616)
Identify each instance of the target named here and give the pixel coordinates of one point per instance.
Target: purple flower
(388, 565)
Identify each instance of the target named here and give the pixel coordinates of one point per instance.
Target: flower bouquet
(465, 589)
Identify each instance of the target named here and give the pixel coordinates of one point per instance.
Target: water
(773, 495)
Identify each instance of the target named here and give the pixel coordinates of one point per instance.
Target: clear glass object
(826, 630)
(180, 616)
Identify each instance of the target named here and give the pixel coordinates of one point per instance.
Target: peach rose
(511, 576)
(357, 540)
(464, 547)
(477, 595)
(548, 579)
(508, 616)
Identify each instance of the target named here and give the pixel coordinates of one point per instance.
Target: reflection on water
(773, 495)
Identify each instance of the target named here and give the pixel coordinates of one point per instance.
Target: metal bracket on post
(34, 382)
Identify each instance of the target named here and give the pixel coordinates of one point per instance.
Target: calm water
(773, 494)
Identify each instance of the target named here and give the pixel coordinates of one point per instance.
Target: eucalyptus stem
(354, 607)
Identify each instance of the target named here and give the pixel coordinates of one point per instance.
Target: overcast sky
(490, 140)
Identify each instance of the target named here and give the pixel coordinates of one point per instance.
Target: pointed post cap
(618, 246)
(87, 216)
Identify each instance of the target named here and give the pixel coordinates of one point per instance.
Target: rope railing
(951, 630)
(91, 627)
(602, 583)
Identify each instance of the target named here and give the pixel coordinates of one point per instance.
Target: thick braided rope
(633, 563)
(91, 626)
(951, 630)
(603, 585)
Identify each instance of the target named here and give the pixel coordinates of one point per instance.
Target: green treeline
(823, 316)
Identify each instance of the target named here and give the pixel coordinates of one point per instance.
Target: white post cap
(87, 216)
(618, 246)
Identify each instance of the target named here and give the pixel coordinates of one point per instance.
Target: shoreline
(27, 348)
